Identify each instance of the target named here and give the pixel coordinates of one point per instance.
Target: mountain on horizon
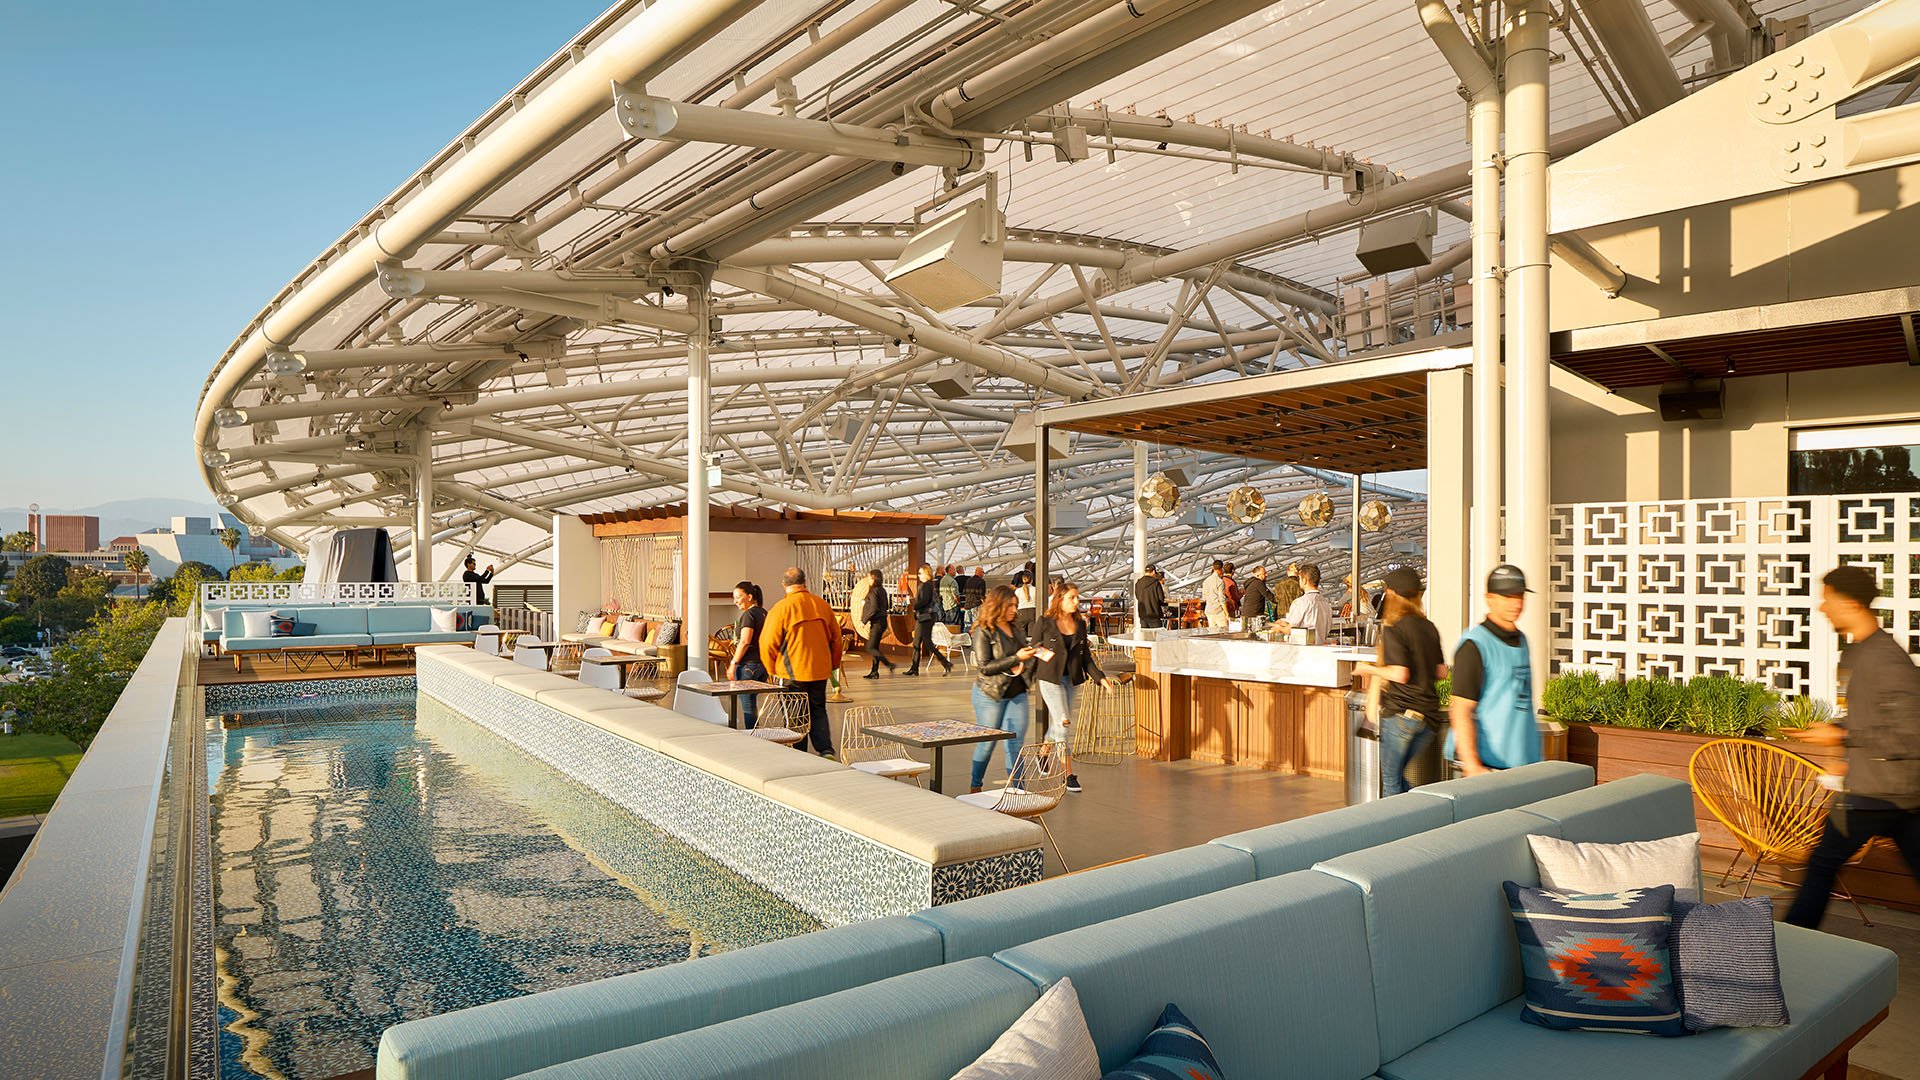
(118, 517)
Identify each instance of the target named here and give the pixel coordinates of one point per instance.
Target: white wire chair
(1037, 784)
(697, 706)
(486, 641)
(619, 678)
(952, 645)
(784, 717)
(872, 754)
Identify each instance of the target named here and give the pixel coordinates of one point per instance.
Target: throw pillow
(212, 618)
(305, 629)
(1173, 1048)
(1597, 868)
(445, 620)
(1725, 965)
(606, 627)
(281, 625)
(669, 633)
(256, 624)
(586, 620)
(1597, 962)
(629, 630)
(1050, 1041)
(467, 622)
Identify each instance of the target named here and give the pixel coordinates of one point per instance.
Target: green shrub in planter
(1799, 713)
(1444, 688)
(1653, 704)
(1583, 697)
(1728, 707)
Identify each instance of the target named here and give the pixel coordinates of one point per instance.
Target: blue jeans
(750, 668)
(1008, 715)
(1401, 740)
(1060, 698)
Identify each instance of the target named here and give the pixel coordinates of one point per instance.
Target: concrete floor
(1145, 807)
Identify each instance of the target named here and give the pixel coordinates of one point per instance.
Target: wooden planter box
(1618, 752)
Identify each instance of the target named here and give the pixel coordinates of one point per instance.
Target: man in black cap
(1882, 737)
(1493, 725)
(1412, 662)
(1149, 599)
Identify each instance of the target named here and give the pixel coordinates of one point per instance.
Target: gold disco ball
(1158, 496)
(1316, 510)
(1374, 515)
(1246, 505)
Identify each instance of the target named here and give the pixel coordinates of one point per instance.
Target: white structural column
(423, 506)
(699, 405)
(1528, 490)
(1139, 512)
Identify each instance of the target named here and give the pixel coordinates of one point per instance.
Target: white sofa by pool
(840, 844)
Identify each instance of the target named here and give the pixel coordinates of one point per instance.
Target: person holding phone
(1065, 654)
(1000, 691)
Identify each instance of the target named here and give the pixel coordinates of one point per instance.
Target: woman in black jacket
(1000, 693)
(1065, 655)
(873, 616)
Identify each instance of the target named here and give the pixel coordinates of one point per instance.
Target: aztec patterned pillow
(280, 624)
(1598, 961)
(1174, 1048)
(466, 622)
(1725, 965)
(585, 621)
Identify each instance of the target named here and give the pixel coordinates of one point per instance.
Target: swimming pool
(380, 859)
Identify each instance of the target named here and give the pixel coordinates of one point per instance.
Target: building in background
(197, 539)
(69, 532)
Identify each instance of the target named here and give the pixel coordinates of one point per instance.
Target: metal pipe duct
(644, 116)
(1636, 50)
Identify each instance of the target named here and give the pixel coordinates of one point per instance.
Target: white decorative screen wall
(1727, 586)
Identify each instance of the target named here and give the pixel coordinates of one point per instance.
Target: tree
(18, 541)
(178, 593)
(292, 573)
(230, 538)
(253, 571)
(91, 670)
(40, 578)
(135, 561)
(17, 630)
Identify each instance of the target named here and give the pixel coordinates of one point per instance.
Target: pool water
(382, 859)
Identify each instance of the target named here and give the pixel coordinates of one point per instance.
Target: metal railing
(334, 592)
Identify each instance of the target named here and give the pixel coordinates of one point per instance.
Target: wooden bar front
(1274, 726)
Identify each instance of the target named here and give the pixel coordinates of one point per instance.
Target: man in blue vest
(1492, 712)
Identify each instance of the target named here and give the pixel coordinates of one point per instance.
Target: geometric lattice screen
(1727, 586)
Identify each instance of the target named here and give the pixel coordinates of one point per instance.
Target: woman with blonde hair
(1065, 654)
(1411, 662)
(1000, 691)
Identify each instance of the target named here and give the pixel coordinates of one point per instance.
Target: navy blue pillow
(1173, 1050)
(1597, 961)
(304, 629)
(1726, 967)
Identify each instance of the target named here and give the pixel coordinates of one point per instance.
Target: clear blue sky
(166, 168)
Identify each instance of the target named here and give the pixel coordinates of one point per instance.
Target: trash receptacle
(1363, 752)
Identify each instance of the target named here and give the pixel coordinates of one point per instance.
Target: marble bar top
(1257, 661)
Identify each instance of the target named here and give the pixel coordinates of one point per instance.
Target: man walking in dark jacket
(1150, 599)
(1882, 736)
(873, 616)
(926, 612)
(1255, 598)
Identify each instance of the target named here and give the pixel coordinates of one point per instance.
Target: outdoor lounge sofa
(340, 631)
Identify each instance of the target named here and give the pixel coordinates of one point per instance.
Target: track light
(214, 459)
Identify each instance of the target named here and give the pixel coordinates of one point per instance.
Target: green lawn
(33, 769)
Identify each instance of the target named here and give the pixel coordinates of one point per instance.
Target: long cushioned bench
(1397, 961)
(508, 1037)
(840, 844)
(343, 628)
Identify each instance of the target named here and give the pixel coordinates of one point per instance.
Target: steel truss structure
(679, 227)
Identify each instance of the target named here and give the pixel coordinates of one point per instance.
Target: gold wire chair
(1773, 803)
(872, 754)
(1103, 733)
(1037, 784)
(783, 717)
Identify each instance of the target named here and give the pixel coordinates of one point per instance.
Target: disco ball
(1316, 510)
(1374, 515)
(1246, 505)
(1158, 497)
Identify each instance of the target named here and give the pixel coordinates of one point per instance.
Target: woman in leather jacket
(1068, 662)
(1000, 693)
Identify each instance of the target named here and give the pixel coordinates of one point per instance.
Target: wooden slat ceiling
(678, 511)
(1821, 347)
(1366, 426)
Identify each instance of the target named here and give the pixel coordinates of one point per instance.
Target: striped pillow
(1597, 961)
(1174, 1048)
(1725, 965)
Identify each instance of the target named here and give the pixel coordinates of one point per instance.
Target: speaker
(1694, 401)
(1397, 243)
(954, 259)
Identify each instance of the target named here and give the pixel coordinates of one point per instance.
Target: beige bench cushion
(652, 726)
(745, 760)
(528, 683)
(929, 827)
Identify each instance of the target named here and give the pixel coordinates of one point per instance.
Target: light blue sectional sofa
(518, 1035)
(1396, 961)
(345, 626)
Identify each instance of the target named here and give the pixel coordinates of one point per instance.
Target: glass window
(1854, 460)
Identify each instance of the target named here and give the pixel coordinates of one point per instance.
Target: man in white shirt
(1213, 596)
(1311, 611)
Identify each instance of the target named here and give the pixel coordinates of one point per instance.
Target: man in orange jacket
(801, 647)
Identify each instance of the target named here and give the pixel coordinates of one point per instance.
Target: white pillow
(1598, 868)
(1050, 1041)
(445, 620)
(256, 623)
(212, 618)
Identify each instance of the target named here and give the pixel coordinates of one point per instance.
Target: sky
(166, 168)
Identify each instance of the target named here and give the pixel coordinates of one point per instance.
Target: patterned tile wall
(1727, 586)
(235, 697)
(835, 875)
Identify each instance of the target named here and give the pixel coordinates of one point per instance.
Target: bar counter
(1231, 699)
